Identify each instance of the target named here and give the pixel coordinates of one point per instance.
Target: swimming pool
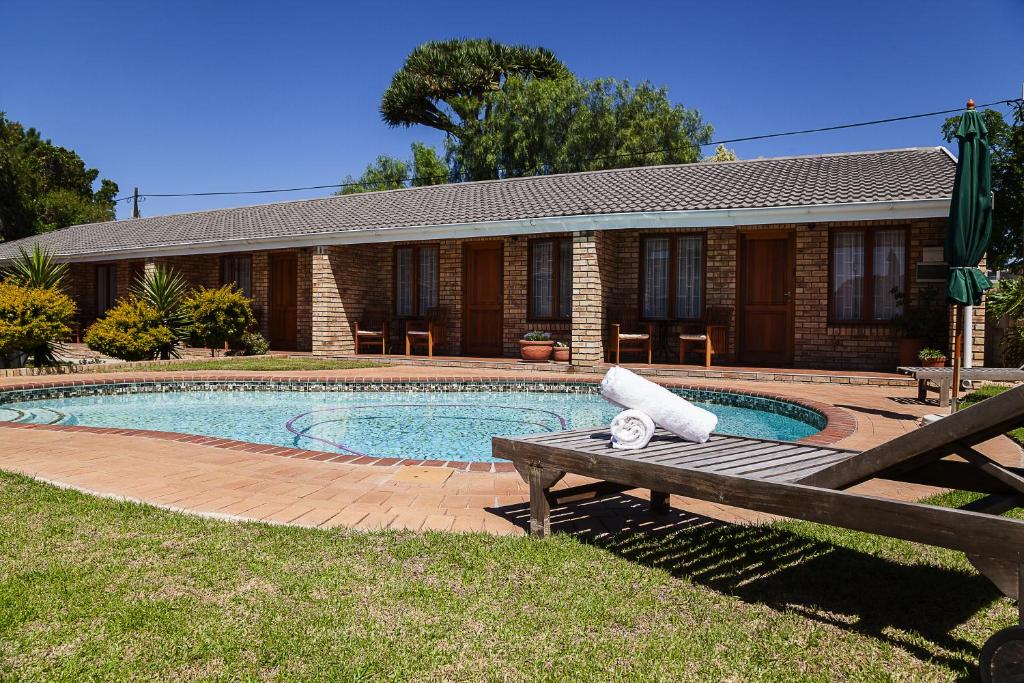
(437, 422)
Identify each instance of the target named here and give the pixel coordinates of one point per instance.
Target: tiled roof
(891, 175)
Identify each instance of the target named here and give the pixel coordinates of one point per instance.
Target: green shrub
(250, 344)
(36, 268)
(1007, 298)
(165, 291)
(33, 321)
(219, 315)
(131, 330)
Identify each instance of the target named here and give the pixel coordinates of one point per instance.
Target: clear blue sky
(190, 96)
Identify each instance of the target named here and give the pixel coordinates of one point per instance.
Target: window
(106, 287)
(672, 277)
(866, 266)
(550, 279)
(417, 280)
(237, 270)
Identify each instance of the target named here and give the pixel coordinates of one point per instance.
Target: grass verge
(92, 588)
(988, 391)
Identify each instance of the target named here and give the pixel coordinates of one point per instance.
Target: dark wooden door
(483, 302)
(766, 273)
(283, 301)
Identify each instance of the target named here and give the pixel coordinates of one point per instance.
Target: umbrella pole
(958, 351)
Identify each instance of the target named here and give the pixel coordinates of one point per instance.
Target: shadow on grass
(774, 566)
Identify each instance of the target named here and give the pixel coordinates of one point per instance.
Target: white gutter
(707, 218)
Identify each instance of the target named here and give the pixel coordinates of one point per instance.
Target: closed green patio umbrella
(970, 223)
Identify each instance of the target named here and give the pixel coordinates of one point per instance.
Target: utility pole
(135, 204)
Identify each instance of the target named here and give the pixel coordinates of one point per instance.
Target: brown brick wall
(720, 282)
(201, 270)
(590, 290)
(345, 279)
(856, 347)
(817, 344)
(335, 283)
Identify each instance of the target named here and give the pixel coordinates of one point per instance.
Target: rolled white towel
(631, 429)
(669, 411)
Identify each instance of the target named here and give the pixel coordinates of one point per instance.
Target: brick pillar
(304, 300)
(514, 275)
(261, 290)
(587, 298)
(450, 296)
(344, 280)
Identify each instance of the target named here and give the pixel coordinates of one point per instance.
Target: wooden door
(483, 299)
(283, 301)
(766, 275)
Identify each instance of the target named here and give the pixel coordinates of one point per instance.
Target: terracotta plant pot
(908, 350)
(933, 363)
(535, 351)
(560, 354)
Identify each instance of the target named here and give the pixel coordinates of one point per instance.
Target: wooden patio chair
(372, 329)
(429, 332)
(713, 334)
(811, 482)
(626, 334)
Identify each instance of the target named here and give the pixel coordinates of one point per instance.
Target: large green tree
(1007, 142)
(45, 187)
(443, 84)
(426, 167)
(539, 126)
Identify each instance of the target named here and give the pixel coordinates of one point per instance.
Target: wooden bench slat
(789, 468)
(738, 464)
(805, 469)
(745, 453)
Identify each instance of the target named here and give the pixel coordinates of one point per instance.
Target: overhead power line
(660, 150)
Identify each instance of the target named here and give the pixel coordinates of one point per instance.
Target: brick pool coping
(840, 423)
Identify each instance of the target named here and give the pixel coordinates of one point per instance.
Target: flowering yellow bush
(131, 330)
(219, 315)
(32, 320)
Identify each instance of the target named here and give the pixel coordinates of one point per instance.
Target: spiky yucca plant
(165, 291)
(36, 268)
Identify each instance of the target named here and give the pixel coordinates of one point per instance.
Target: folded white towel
(631, 429)
(669, 411)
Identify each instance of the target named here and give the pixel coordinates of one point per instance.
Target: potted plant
(560, 352)
(919, 326)
(931, 358)
(535, 346)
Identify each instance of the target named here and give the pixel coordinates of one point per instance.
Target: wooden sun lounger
(942, 378)
(810, 482)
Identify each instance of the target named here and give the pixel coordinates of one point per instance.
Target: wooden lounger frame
(809, 482)
(942, 378)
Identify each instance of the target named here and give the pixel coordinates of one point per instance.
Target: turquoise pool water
(443, 425)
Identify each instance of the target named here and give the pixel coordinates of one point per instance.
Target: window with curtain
(237, 270)
(867, 267)
(106, 287)
(417, 280)
(672, 286)
(550, 278)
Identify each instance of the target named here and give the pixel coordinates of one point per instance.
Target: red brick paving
(285, 485)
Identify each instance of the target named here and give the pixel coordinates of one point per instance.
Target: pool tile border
(838, 423)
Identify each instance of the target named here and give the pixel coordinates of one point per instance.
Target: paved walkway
(249, 485)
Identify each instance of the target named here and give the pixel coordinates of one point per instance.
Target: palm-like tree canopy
(36, 268)
(165, 290)
(458, 73)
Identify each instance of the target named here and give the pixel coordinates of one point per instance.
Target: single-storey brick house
(805, 251)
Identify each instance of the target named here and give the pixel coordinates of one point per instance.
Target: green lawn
(252, 364)
(91, 589)
(988, 391)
